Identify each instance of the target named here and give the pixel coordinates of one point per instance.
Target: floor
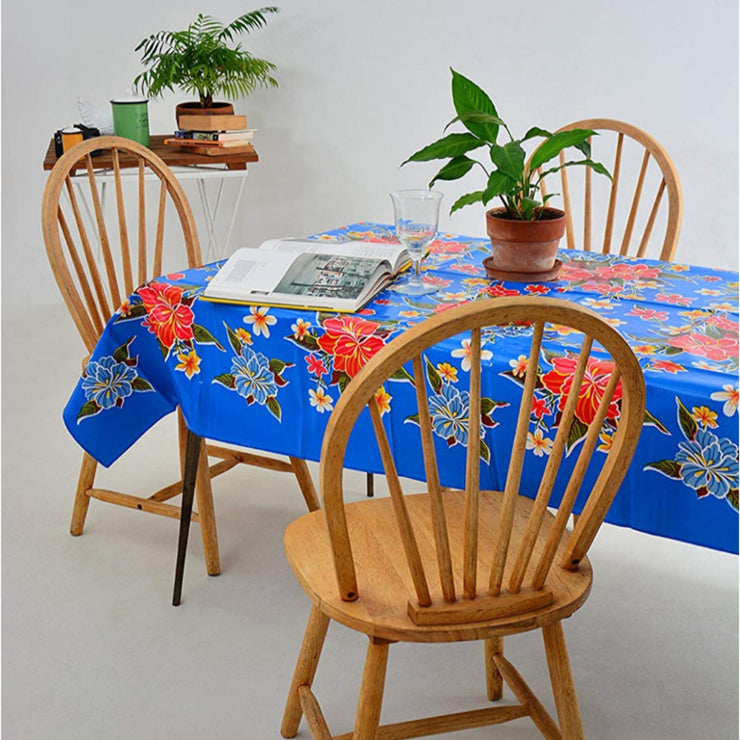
(93, 650)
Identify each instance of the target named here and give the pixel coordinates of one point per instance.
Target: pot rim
(496, 213)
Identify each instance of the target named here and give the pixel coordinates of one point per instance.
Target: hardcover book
(213, 122)
(308, 274)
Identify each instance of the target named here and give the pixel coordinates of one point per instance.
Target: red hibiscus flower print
(712, 348)
(351, 341)
(500, 289)
(167, 317)
(559, 380)
(648, 314)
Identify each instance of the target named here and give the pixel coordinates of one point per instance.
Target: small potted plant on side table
(524, 231)
(205, 60)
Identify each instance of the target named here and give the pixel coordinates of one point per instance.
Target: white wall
(364, 84)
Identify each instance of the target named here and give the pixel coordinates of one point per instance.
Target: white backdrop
(365, 84)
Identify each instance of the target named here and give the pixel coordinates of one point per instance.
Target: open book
(308, 274)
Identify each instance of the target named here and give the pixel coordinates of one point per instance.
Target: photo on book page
(327, 275)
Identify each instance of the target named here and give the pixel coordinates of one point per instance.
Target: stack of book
(213, 135)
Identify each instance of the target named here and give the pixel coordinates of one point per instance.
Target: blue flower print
(709, 462)
(449, 411)
(106, 381)
(252, 376)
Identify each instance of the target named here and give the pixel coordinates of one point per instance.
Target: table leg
(211, 210)
(192, 452)
(210, 221)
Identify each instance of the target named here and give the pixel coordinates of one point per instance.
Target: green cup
(131, 119)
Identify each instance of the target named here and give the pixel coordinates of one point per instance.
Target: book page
(394, 253)
(337, 277)
(248, 271)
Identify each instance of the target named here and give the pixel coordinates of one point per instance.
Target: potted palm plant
(205, 60)
(524, 231)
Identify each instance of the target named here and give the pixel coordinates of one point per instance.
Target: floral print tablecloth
(268, 378)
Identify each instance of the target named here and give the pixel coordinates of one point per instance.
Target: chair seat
(384, 582)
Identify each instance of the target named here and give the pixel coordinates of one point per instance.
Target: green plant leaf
(509, 159)
(139, 384)
(467, 98)
(535, 131)
(498, 184)
(476, 118)
(467, 200)
(452, 145)
(454, 169)
(551, 147)
(596, 166)
(527, 208)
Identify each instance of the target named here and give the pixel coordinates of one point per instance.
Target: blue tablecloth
(268, 378)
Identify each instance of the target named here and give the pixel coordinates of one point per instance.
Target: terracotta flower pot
(193, 108)
(528, 247)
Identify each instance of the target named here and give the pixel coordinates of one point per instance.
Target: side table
(186, 166)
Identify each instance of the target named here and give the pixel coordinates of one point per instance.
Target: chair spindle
(472, 472)
(513, 478)
(128, 280)
(624, 249)
(102, 310)
(569, 229)
(574, 484)
(651, 220)
(159, 239)
(609, 228)
(439, 523)
(547, 483)
(141, 259)
(105, 247)
(410, 546)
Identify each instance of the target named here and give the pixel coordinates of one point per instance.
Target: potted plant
(205, 60)
(524, 231)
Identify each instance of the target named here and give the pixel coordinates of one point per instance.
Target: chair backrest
(94, 273)
(605, 374)
(640, 167)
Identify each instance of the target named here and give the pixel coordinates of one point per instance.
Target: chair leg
(300, 469)
(494, 680)
(367, 719)
(82, 500)
(563, 687)
(308, 660)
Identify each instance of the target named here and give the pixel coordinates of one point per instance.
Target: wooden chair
(95, 276)
(636, 158)
(447, 566)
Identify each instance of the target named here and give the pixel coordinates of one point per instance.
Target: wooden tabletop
(173, 156)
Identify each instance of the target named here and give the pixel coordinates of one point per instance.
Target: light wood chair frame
(668, 187)
(94, 287)
(539, 572)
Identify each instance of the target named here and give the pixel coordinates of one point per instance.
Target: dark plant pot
(194, 108)
(528, 247)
